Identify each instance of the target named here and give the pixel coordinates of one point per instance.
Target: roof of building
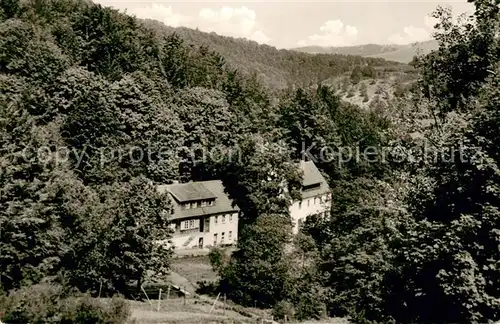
(202, 190)
(191, 191)
(312, 176)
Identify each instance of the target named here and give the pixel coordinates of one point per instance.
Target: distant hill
(362, 50)
(397, 53)
(280, 68)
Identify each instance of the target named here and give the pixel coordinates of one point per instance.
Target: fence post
(159, 300)
(147, 297)
(100, 288)
(211, 309)
(224, 307)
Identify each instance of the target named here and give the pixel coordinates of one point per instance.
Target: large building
(315, 196)
(203, 215)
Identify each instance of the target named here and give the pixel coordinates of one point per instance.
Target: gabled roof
(191, 191)
(205, 190)
(311, 173)
(312, 176)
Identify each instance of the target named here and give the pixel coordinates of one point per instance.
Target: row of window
(223, 218)
(190, 224)
(230, 237)
(316, 200)
(199, 204)
(195, 223)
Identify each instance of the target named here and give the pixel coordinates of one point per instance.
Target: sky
(289, 24)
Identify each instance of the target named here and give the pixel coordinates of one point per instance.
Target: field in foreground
(197, 311)
(175, 311)
(186, 272)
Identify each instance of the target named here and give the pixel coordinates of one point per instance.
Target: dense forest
(97, 107)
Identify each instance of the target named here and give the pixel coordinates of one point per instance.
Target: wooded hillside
(97, 107)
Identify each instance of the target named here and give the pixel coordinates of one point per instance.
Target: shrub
(283, 308)
(207, 288)
(310, 306)
(46, 303)
(400, 90)
(218, 258)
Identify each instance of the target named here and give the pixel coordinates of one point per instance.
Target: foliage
(256, 274)
(282, 309)
(449, 253)
(279, 68)
(138, 105)
(431, 256)
(452, 246)
(135, 219)
(51, 304)
(467, 55)
(218, 258)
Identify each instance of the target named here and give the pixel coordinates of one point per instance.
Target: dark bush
(207, 288)
(46, 303)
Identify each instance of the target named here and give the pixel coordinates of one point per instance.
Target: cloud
(228, 21)
(235, 22)
(260, 37)
(412, 34)
(161, 13)
(332, 33)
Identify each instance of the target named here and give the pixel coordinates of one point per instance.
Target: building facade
(315, 196)
(203, 215)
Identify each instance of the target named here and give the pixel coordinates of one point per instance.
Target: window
(216, 219)
(223, 219)
(187, 206)
(308, 202)
(311, 187)
(300, 204)
(230, 235)
(230, 219)
(203, 203)
(211, 203)
(215, 239)
(193, 205)
(190, 224)
(222, 237)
